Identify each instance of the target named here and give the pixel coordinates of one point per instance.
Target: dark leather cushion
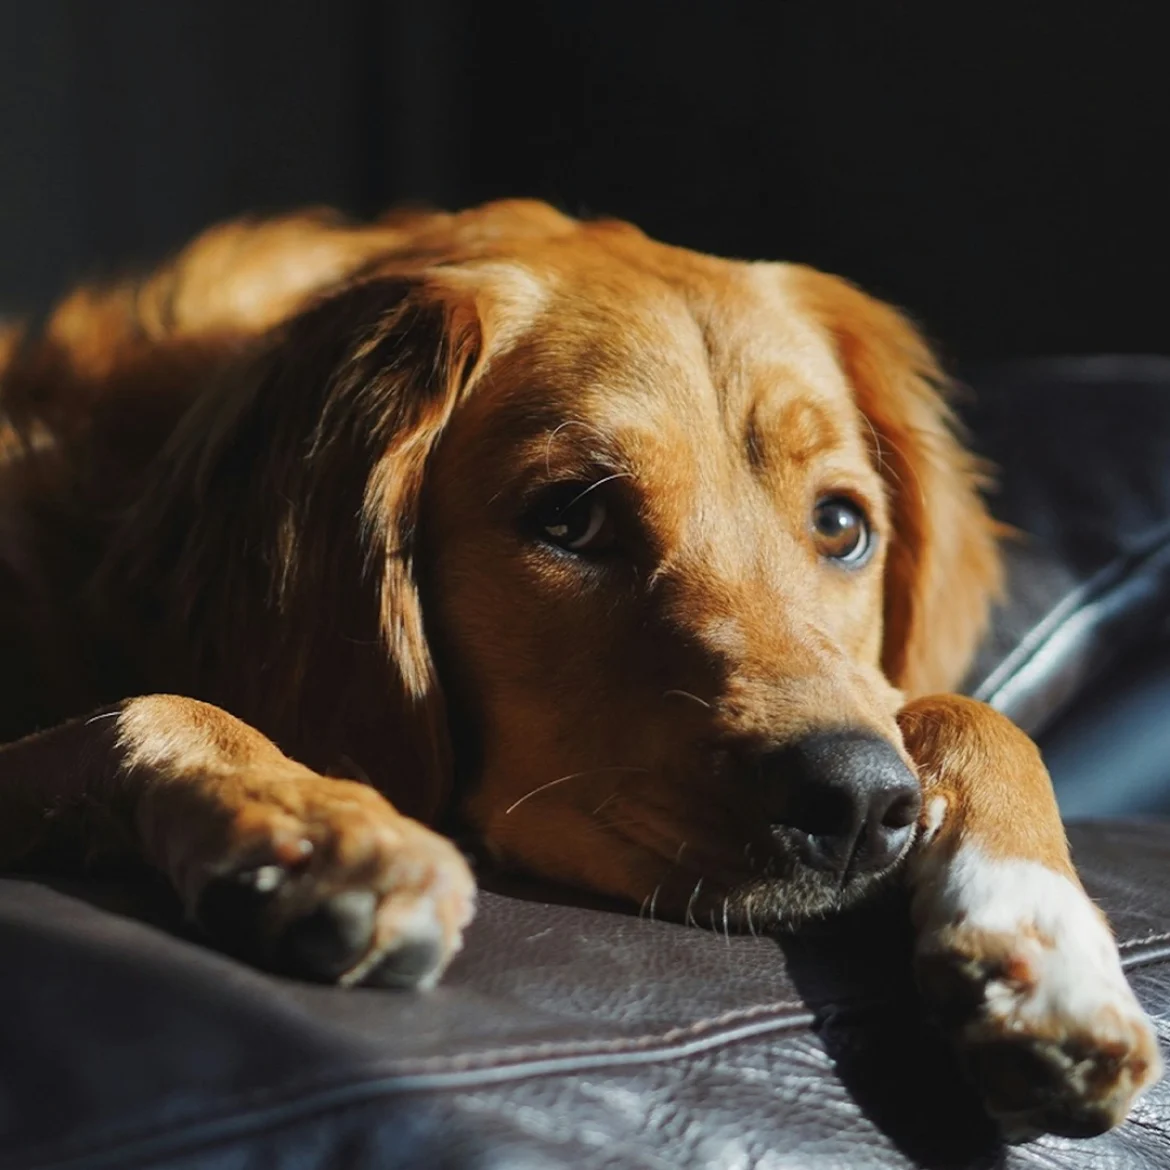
(562, 1037)
(568, 1037)
(1082, 448)
(1109, 752)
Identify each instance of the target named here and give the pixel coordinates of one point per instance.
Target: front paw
(331, 883)
(1021, 968)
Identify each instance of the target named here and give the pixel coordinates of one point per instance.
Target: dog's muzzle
(844, 801)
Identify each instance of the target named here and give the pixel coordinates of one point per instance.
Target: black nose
(844, 798)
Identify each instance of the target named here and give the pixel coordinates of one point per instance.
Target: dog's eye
(841, 531)
(575, 517)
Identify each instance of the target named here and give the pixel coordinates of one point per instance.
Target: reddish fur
(289, 478)
(943, 564)
(1011, 812)
(299, 377)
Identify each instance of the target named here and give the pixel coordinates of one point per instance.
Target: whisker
(747, 906)
(552, 436)
(687, 695)
(678, 855)
(880, 441)
(103, 715)
(604, 479)
(877, 449)
(726, 927)
(654, 900)
(611, 797)
(571, 776)
(688, 917)
(571, 422)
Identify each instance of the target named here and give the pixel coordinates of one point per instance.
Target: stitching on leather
(510, 1061)
(386, 1079)
(363, 1083)
(798, 1009)
(1145, 940)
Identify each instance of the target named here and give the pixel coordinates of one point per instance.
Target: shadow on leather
(854, 973)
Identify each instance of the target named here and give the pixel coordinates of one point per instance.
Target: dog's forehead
(644, 334)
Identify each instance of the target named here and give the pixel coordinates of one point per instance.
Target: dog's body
(685, 540)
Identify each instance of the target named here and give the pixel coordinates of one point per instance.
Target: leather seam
(1144, 940)
(784, 1014)
(246, 1115)
(1111, 577)
(1147, 952)
(252, 1112)
(330, 1093)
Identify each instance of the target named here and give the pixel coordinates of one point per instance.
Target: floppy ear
(288, 500)
(942, 564)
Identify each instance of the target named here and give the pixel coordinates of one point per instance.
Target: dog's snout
(845, 799)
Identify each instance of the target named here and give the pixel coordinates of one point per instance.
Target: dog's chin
(807, 895)
(766, 904)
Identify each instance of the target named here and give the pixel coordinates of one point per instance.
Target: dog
(652, 570)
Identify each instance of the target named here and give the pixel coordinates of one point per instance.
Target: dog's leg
(293, 870)
(1011, 952)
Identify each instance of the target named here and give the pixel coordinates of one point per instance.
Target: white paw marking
(1052, 922)
(1047, 976)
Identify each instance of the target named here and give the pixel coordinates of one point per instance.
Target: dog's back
(87, 403)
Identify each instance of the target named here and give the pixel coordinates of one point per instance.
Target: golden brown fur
(283, 490)
(191, 445)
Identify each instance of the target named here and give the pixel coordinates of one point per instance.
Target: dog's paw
(1021, 968)
(331, 884)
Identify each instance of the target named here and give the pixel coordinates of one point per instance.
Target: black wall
(997, 168)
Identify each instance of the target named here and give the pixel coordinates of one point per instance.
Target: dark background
(996, 168)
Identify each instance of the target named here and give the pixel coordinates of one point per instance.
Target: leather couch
(579, 1036)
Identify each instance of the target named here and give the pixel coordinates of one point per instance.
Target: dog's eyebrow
(545, 440)
(597, 456)
(753, 442)
(798, 431)
(601, 453)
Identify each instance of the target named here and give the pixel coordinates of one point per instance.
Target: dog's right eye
(575, 517)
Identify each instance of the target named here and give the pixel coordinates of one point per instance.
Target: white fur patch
(1054, 928)
(1049, 976)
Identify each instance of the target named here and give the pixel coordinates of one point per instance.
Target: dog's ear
(942, 564)
(290, 500)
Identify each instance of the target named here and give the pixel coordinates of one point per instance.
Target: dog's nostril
(844, 799)
(901, 809)
(888, 828)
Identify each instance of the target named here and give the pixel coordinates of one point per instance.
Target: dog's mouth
(761, 886)
(801, 831)
(807, 832)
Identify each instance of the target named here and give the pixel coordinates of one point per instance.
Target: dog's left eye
(841, 531)
(575, 517)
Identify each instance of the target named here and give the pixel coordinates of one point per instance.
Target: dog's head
(677, 535)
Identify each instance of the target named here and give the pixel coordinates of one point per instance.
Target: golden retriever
(643, 564)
